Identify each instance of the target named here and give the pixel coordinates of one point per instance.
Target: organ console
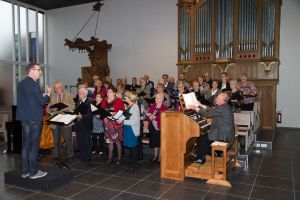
(179, 133)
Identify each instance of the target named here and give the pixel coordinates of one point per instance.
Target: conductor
(30, 102)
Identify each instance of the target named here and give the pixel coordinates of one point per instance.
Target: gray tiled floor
(271, 175)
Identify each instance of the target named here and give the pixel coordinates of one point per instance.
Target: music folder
(121, 115)
(59, 106)
(62, 119)
(100, 111)
(141, 94)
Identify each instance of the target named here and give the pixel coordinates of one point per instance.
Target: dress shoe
(109, 161)
(200, 161)
(154, 159)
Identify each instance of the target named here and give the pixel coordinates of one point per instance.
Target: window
(22, 41)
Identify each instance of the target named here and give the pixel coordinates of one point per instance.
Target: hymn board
(234, 36)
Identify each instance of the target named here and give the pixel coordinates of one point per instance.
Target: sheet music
(189, 99)
(217, 143)
(119, 115)
(64, 118)
(93, 108)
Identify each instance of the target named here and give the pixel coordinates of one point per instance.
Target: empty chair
(242, 122)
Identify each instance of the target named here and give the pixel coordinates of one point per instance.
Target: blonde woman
(131, 127)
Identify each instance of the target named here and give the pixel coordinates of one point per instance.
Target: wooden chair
(242, 122)
(252, 136)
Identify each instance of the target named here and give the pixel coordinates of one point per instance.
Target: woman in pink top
(153, 117)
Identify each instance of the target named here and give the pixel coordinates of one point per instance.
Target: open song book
(189, 99)
(120, 115)
(100, 111)
(63, 119)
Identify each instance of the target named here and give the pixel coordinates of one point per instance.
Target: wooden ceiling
(53, 4)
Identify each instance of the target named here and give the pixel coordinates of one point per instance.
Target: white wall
(143, 35)
(288, 92)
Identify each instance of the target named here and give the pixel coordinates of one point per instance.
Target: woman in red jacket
(153, 117)
(114, 130)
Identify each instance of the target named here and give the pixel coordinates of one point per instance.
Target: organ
(233, 36)
(179, 133)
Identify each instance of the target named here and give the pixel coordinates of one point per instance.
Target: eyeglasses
(38, 69)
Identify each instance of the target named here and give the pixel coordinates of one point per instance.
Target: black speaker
(14, 136)
(13, 112)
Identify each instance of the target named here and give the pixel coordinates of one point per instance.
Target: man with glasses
(61, 96)
(30, 102)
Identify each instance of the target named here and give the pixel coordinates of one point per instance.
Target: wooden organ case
(233, 36)
(179, 132)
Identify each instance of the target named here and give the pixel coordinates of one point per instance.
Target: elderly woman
(197, 89)
(248, 91)
(203, 85)
(213, 92)
(114, 130)
(131, 127)
(177, 93)
(120, 91)
(153, 117)
(143, 93)
(160, 89)
(235, 95)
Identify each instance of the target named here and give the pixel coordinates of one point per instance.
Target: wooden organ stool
(220, 165)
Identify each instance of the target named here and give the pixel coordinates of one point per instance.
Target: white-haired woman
(153, 117)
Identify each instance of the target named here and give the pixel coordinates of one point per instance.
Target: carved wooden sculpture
(97, 51)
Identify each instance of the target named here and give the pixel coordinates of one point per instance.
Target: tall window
(22, 40)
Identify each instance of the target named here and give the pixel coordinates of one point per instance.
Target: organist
(222, 127)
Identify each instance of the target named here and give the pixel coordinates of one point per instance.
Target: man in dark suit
(30, 102)
(222, 127)
(84, 124)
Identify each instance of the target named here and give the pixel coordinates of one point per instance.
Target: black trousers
(98, 142)
(85, 144)
(203, 147)
(133, 155)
